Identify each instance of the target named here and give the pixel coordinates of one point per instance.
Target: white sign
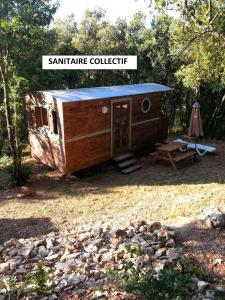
(88, 62)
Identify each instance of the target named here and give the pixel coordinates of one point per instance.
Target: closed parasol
(195, 128)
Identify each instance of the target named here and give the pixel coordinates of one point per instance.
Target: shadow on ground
(205, 248)
(25, 228)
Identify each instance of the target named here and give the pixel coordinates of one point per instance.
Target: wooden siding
(46, 148)
(87, 152)
(144, 134)
(154, 112)
(46, 151)
(84, 118)
(85, 133)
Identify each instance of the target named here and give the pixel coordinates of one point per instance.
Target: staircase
(127, 163)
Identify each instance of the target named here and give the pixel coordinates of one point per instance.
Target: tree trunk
(1, 134)
(8, 114)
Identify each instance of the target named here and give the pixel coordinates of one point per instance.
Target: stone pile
(215, 219)
(79, 261)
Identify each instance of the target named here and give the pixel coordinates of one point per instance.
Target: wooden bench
(184, 156)
(169, 151)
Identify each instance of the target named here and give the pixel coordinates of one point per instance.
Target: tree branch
(191, 41)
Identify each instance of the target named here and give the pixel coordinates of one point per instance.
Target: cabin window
(46, 118)
(53, 121)
(41, 116)
(145, 105)
(44, 113)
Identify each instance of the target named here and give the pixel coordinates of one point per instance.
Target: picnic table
(170, 153)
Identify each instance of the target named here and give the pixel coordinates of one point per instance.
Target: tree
(22, 25)
(197, 38)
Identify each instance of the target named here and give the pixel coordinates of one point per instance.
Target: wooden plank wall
(154, 112)
(87, 133)
(145, 127)
(47, 149)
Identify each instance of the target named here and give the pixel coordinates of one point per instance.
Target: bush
(38, 282)
(167, 284)
(172, 283)
(25, 172)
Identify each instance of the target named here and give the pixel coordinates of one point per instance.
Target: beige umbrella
(195, 128)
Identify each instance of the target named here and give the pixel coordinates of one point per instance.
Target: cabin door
(121, 127)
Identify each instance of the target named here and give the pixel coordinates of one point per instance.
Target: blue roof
(83, 94)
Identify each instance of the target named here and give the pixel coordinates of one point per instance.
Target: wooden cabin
(70, 130)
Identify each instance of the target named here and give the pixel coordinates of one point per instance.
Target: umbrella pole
(196, 158)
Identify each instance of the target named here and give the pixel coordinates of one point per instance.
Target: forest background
(185, 51)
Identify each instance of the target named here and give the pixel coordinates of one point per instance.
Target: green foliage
(25, 172)
(38, 282)
(171, 283)
(23, 36)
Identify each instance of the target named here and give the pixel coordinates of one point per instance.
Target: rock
(43, 251)
(160, 252)
(96, 231)
(4, 267)
(120, 233)
(97, 258)
(215, 219)
(155, 226)
(73, 255)
(52, 257)
(50, 243)
(220, 289)
(1, 296)
(67, 265)
(209, 224)
(218, 261)
(91, 248)
(143, 229)
(172, 254)
(73, 279)
(107, 257)
(12, 264)
(201, 285)
(137, 239)
(98, 242)
(52, 297)
(119, 255)
(100, 294)
(149, 251)
(24, 192)
(170, 243)
(79, 259)
(159, 265)
(9, 244)
(27, 252)
(84, 236)
(12, 253)
(39, 242)
(21, 271)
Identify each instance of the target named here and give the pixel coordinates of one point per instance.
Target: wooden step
(127, 163)
(131, 169)
(122, 157)
(184, 156)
